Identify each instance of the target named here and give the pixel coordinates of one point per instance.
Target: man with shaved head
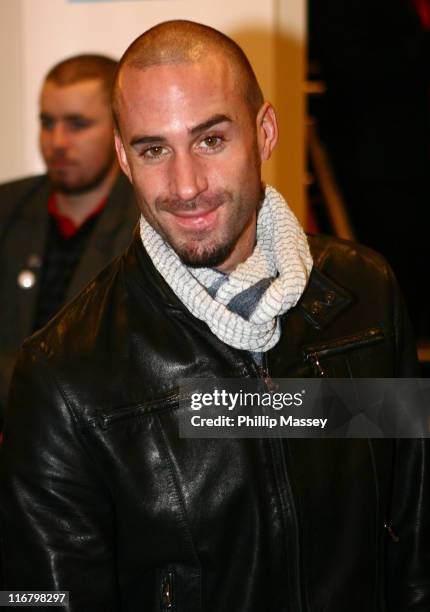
(101, 497)
(59, 229)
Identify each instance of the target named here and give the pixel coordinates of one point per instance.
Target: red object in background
(311, 224)
(423, 9)
(65, 225)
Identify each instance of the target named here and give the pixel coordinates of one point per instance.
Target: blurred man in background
(58, 230)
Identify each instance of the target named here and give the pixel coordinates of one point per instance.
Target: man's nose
(188, 177)
(59, 136)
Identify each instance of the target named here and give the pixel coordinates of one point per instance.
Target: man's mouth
(196, 219)
(196, 215)
(60, 164)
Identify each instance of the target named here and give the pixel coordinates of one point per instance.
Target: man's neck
(77, 207)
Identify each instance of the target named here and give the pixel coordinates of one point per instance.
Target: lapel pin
(26, 279)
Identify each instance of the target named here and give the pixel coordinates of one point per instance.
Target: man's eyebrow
(79, 117)
(201, 127)
(70, 117)
(141, 140)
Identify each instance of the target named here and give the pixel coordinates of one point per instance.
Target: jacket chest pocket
(362, 354)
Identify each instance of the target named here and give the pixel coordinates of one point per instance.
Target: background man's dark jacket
(103, 498)
(23, 230)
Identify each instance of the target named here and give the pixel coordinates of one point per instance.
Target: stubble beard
(194, 253)
(81, 187)
(210, 256)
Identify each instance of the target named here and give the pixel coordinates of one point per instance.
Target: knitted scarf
(242, 308)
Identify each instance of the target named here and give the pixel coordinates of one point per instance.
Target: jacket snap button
(316, 308)
(330, 297)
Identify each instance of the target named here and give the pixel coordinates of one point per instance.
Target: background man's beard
(80, 188)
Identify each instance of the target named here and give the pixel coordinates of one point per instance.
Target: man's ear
(122, 157)
(267, 130)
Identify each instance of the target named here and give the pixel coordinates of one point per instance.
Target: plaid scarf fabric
(242, 308)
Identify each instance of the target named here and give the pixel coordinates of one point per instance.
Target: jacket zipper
(167, 601)
(312, 358)
(314, 354)
(105, 419)
(393, 535)
(264, 373)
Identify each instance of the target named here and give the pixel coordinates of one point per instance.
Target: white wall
(11, 75)
(46, 31)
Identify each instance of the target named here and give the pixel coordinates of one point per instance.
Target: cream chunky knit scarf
(242, 308)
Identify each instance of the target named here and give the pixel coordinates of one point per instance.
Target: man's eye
(79, 124)
(46, 123)
(211, 143)
(153, 152)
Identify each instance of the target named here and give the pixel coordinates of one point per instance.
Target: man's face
(193, 153)
(76, 135)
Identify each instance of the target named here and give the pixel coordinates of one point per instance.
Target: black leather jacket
(102, 498)
(24, 222)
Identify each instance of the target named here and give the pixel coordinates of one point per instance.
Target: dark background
(372, 56)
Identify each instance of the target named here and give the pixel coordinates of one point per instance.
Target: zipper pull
(167, 592)
(391, 532)
(265, 375)
(268, 380)
(313, 358)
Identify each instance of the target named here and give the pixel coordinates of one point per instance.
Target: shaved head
(192, 132)
(186, 42)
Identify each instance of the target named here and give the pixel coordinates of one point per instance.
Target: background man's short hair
(84, 67)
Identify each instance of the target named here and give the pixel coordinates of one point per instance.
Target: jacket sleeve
(405, 343)
(408, 549)
(57, 531)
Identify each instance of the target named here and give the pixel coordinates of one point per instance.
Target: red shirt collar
(66, 226)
